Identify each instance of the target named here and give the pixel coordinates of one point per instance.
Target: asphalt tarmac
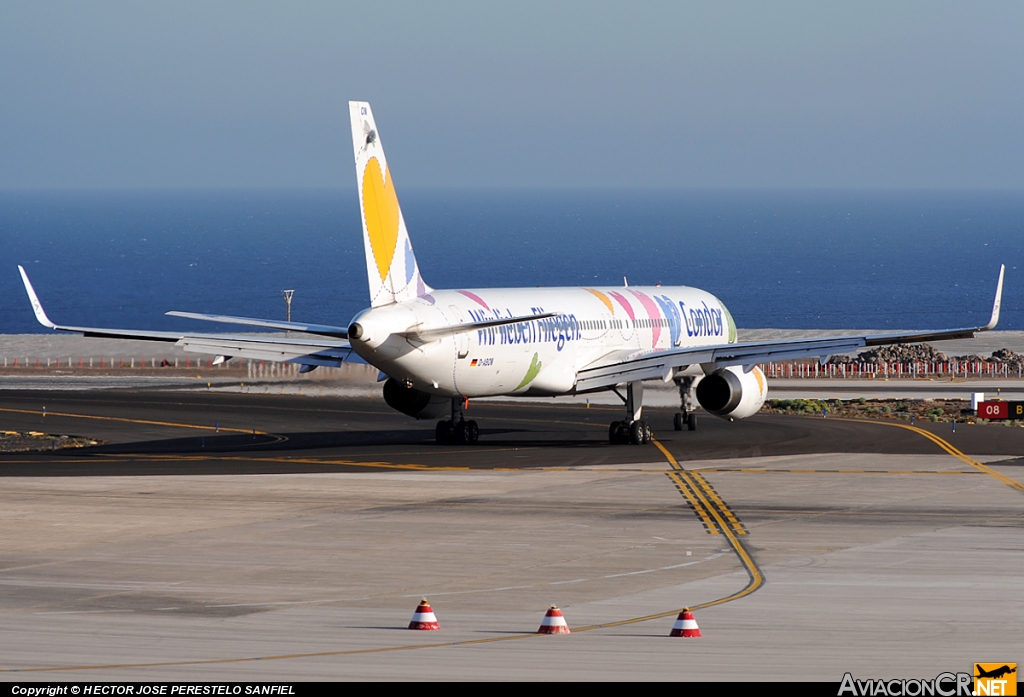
(213, 529)
(286, 434)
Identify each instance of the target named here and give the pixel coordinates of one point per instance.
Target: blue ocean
(785, 259)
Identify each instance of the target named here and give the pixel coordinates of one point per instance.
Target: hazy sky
(723, 94)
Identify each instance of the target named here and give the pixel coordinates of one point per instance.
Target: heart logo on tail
(380, 206)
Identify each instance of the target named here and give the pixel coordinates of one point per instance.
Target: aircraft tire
(639, 432)
(691, 422)
(613, 432)
(444, 432)
(461, 433)
(677, 421)
(472, 432)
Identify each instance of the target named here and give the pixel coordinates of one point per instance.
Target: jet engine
(415, 403)
(731, 393)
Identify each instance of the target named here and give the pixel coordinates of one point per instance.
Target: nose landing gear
(684, 420)
(685, 417)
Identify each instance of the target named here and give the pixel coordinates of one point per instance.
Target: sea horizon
(783, 258)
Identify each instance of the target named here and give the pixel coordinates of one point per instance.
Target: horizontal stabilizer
(321, 329)
(319, 353)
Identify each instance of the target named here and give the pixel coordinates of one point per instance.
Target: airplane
(435, 349)
(995, 673)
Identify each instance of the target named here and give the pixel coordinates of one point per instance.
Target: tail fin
(390, 263)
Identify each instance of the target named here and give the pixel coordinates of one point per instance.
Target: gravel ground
(15, 442)
(908, 410)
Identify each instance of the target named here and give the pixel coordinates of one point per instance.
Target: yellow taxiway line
(122, 419)
(949, 448)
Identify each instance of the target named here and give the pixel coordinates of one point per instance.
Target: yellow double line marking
(725, 523)
(717, 517)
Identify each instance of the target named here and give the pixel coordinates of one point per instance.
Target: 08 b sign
(1001, 410)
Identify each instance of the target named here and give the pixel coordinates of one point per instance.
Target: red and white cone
(554, 622)
(685, 625)
(424, 617)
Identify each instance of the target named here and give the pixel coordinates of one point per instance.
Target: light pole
(288, 301)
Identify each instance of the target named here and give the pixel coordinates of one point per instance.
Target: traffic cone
(553, 622)
(424, 617)
(685, 625)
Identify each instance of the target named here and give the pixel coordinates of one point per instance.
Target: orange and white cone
(424, 617)
(685, 625)
(554, 622)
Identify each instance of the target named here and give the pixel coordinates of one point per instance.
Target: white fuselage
(539, 357)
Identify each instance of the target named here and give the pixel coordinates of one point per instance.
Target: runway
(213, 529)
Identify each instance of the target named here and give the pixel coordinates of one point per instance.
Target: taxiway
(214, 529)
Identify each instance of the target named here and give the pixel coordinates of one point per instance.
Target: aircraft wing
(311, 352)
(623, 367)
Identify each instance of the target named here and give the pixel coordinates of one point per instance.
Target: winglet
(999, 299)
(37, 306)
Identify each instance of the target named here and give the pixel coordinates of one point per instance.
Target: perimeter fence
(909, 370)
(789, 369)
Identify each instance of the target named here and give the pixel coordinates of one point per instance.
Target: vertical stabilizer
(391, 266)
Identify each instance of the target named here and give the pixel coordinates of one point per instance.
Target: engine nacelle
(731, 393)
(415, 403)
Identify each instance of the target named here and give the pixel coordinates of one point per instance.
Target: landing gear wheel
(445, 432)
(461, 433)
(472, 432)
(691, 422)
(639, 433)
(618, 433)
(677, 421)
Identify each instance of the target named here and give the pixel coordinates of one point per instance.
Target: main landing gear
(624, 432)
(685, 417)
(634, 429)
(457, 431)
